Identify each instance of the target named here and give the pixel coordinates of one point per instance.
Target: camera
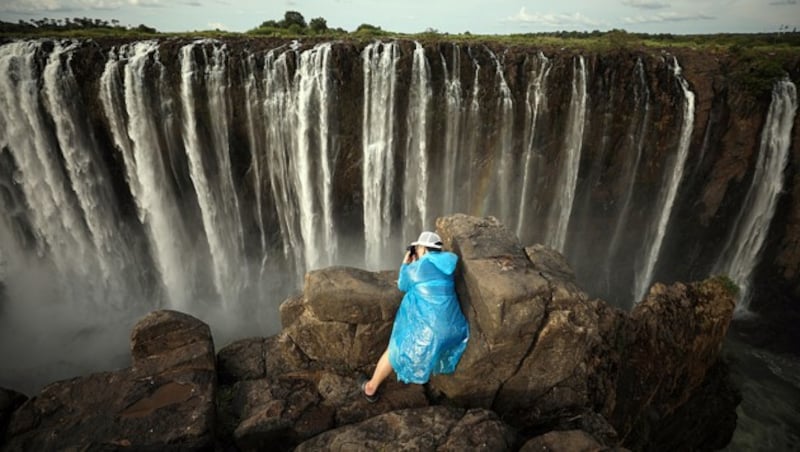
(412, 250)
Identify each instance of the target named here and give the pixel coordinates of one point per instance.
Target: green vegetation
(83, 27)
(728, 284)
(756, 59)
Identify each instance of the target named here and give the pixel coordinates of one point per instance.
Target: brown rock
(563, 441)
(677, 337)
(432, 428)
(504, 300)
(242, 360)
(9, 401)
(165, 402)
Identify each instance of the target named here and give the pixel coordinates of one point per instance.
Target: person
(430, 332)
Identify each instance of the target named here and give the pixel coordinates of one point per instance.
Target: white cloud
(668, 17)
(39, 6)
(784, 2)
(645, 4)
(218, 26)
(552, 20)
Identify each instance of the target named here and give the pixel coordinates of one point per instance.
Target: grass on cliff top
(591, 41)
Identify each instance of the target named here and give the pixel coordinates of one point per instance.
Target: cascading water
(573, 142)
(415, 211)
(314, 166)
(674, 176)
(534, 103)
(57, 220)
(454, 124)
(743, 248)
(501, 193)
(636, 142)
(210, 166)
(278, 157)
(380, 60)
(90, 181)
(132, 118)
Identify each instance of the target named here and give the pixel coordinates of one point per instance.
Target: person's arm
(407, 272)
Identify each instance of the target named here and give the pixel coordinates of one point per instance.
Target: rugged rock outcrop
(164, 401)
(546, 366)
(432, 428)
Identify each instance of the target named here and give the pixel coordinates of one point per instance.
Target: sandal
(362, 384)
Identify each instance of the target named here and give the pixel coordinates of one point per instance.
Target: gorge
(208, 176)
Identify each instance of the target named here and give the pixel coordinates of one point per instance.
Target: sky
(450, 16)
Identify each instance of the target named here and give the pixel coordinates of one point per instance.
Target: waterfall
(312, 101)
(415, 212)
(253, 110)
(573, 142)
(454, 120)
(89, 179)
(501, 194)
(636, 138)
(133, 120)
(58, 223)
(665, 204)
(741, 254)
(377, 170)
(472, 135)
(534, 102)
(210, 166)
(280, 124)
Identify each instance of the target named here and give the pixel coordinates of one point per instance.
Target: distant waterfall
(378, 173)
(454, 125)
(573, 142)
(415, 202)
(58, 220)
(534, 102)
(501, 199)
(471, 146)
(133, 119)
(277, 117)
(664, 210)
(743, 248)
(636, 142)
(314, 176)
(209, 165)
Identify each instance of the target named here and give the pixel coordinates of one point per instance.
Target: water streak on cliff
(534, 103)
(561, 209)
(415, 181)
(666, 201)
(380, 61)
(746, 242)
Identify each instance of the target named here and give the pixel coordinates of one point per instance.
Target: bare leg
(382, 370)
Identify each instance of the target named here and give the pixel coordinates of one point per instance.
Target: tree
(293, 18)
(318, 25)
(367, 28)
(270, 24)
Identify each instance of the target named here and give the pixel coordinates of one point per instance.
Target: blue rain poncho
(430, 333)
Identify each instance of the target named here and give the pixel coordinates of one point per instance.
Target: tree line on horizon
(294, 24)
(68, 24)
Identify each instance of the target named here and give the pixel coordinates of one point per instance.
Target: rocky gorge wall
(218, 172)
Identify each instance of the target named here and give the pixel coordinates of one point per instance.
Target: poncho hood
(445, 261)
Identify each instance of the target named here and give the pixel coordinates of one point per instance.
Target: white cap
(430, 240)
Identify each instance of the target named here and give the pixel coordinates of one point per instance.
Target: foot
(371, 398)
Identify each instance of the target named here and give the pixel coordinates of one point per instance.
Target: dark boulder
(431, 428)
(165, 401)
(9, 401)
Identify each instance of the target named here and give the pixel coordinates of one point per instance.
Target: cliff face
(251, 158)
